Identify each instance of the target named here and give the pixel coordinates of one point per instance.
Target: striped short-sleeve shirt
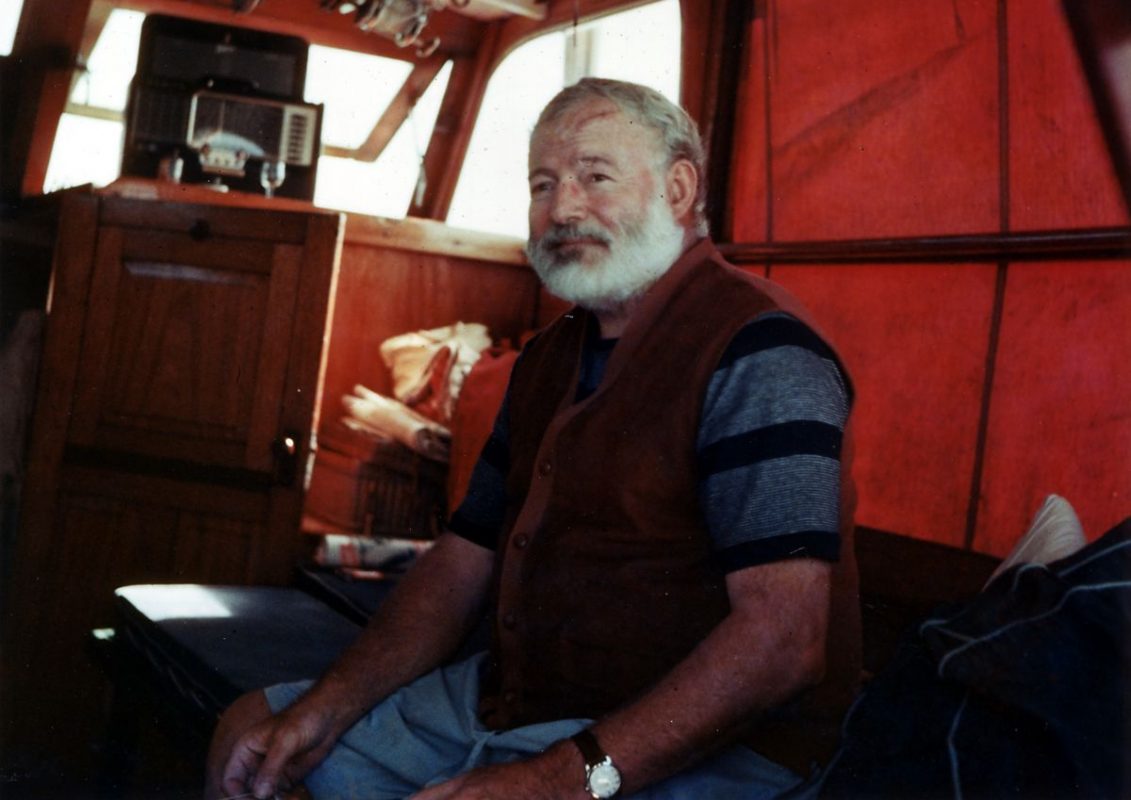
(769, 443)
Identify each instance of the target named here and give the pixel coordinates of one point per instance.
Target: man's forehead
(587, 124)
(581, 116)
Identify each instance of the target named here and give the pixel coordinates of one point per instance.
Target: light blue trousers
(429, 732)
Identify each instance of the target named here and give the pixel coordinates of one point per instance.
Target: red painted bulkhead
(982, 386)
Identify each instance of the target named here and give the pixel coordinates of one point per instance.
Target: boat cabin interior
(224, 221)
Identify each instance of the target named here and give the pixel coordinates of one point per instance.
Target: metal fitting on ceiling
(403, 21)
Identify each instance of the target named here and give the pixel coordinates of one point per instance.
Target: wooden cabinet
(176, 399)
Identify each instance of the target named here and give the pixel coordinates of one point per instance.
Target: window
(640, 45)
(355, 181)
(9, 20)
(88, 145)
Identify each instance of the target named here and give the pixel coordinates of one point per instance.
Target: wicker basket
(376, 487)
(406, 494)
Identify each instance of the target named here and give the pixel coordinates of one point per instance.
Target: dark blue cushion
(213, 643)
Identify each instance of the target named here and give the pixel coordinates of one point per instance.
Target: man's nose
(568, 203)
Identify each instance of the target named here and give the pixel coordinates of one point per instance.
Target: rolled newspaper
(390, 555)
(384, 416)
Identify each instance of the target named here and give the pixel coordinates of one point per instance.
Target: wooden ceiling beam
(44, 55)
(459, 34)
(455, 123)
(415, 85)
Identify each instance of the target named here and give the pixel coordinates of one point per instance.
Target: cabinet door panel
(215, 549)
(186, 349)
(182, 340)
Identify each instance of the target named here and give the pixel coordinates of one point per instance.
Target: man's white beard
(636, 259)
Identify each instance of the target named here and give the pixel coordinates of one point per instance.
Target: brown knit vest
(605, 575)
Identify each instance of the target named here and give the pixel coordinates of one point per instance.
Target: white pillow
(1055, 533)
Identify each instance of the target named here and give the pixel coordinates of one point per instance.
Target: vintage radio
(219, 104)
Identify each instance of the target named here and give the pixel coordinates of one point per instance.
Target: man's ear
(682, 188)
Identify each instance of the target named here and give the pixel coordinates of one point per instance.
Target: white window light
(640, 45)
(9, 21)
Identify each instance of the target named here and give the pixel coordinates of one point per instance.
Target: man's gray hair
(676, 131)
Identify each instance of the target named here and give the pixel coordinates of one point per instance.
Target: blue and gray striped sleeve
(769, 446)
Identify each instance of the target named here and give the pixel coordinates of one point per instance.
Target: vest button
(509, 620)
(510, 697)
(545, 468)
(521, 541)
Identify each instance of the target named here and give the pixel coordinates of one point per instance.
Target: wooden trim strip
(1095, 243)
(430, 236)
(171, 468)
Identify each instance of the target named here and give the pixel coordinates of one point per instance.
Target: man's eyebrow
(585, 161)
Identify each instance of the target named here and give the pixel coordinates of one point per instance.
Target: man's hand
(557, 774)
(277, 752)
(417, 628)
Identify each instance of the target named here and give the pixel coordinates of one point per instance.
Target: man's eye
(598, 177)
(540, 188)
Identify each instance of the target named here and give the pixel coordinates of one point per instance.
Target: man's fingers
(281, 748)
(242, 765)
(273, 756)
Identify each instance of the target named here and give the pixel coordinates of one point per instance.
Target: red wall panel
(884, 118)
(915, 339)
(884, 121)
(1060, 172)
(1060, 417)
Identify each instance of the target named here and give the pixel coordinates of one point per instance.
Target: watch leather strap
(602, 779)
(590, 749)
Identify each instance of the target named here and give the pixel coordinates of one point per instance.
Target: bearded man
(658, 521)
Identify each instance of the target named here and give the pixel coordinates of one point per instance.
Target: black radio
(218, 104)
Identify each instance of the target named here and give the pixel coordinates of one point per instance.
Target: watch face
(604, 780)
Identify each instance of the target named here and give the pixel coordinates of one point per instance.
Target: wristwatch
(602, 778)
